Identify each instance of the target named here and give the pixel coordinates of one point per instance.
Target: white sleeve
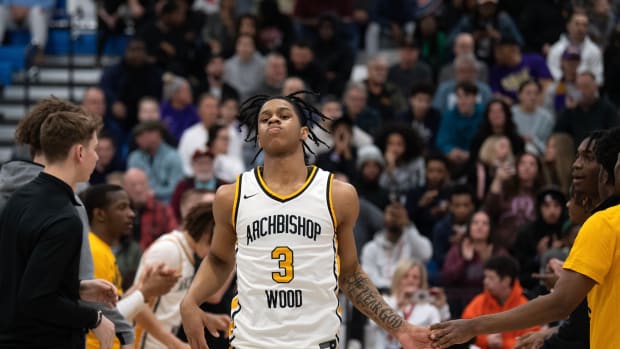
(421, 247)
(444, 312)
(553, 60)
(186, 148)
(435, 315)
(360, 137)
(131, 305)
(593, 62)
(369, 261)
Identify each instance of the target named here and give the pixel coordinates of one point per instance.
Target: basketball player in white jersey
(161, 321)
(288, 228)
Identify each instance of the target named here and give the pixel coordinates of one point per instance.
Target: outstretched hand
(195, 321)
(414, 337)
(532, 340)
(453, 332)
(98, 291)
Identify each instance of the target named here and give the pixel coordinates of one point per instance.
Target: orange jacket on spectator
(485, 303)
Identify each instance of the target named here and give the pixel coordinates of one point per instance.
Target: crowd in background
(458, 126)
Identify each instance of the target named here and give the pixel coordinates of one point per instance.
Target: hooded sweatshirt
(485, 304)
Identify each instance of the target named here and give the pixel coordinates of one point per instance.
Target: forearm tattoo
(364, 295)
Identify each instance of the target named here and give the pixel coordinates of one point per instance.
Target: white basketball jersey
(172, 249)
(287, 265)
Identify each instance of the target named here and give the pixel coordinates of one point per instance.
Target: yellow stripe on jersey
(234, 310)
(337, 257)
(233, 218)
(330, 201)
(264, 186)
(234, 304)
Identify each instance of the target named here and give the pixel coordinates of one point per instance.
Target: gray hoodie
(14, 175)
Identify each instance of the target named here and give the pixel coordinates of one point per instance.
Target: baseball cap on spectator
(571, 53)
(369, 153)
(151, 125)
(202, 152)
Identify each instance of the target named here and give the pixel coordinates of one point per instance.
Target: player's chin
(278, 146)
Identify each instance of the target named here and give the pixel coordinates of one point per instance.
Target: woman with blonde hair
(496, 151)
(416, 303)
(558, 161)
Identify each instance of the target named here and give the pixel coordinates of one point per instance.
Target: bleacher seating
(21, 87)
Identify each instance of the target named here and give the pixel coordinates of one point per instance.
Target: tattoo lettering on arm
(365, 296)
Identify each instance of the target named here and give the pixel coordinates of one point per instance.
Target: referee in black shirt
(40, 239)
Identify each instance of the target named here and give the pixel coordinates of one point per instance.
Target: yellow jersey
(104, 263)
(596, 254)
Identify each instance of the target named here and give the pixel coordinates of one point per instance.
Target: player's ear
(78, 151)
(303, 133)
(603, 176)
(98, 215)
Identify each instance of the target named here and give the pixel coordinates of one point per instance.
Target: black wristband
(99, 318)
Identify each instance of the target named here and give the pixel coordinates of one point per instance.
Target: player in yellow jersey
(592, 270)
(110, 217)
(291, 252)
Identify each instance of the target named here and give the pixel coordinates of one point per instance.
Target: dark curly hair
(414, 145)
(308, 116)
(607, 149)
(593, 140)
(486, 129)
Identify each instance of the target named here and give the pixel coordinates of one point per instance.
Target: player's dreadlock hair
(308, 116)
(594, 138)
(607, 149)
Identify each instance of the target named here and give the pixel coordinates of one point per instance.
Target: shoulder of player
(344, 198)
(163, 249)
(610, 212)
(343, 191)
(226, 193)
(224, 200)
(601, 219)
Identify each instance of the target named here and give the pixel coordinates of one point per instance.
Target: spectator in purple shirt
(177, 110)
(513, 68)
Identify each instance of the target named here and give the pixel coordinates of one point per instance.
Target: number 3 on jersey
(285, 257)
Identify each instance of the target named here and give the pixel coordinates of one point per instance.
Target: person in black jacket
(127, 82)
(534, 239)
(342, 157)
(333, 55)
(40, 242)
